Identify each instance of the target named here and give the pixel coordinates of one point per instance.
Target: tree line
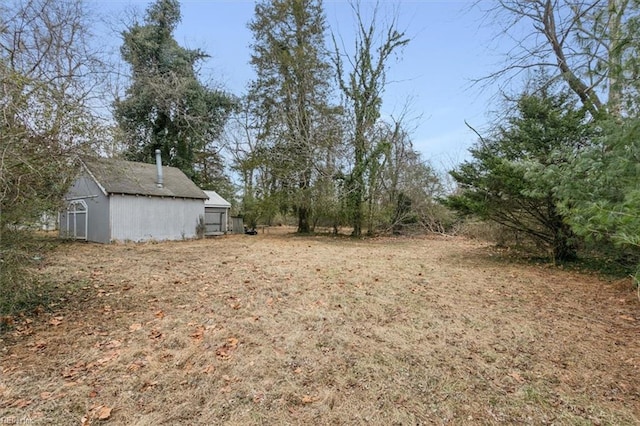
(306, 140)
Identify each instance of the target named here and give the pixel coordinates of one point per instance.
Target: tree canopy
(166, 106)
(49, 82)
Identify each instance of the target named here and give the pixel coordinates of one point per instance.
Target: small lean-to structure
(216, 214)
(117, 200)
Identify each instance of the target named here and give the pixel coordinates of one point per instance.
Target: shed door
(77, 219)
(213, 221)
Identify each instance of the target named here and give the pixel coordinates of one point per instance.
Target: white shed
(116, 200)
(216, 214)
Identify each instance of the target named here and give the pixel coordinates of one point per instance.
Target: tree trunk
(585, 93)
(357, 190)
(564, 248)
(616, 10)
(303, 220)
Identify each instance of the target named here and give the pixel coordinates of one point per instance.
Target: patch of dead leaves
(234, 303)
(97, 412)
(198, 334)
(307, 399)
(208, 369)
(517, 377)
(21, 403)
(55, 321)
(224, 352)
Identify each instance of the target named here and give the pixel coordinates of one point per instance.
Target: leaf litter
(283, 329)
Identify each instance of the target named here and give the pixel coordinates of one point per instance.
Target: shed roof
(129, 177)
(215, 200)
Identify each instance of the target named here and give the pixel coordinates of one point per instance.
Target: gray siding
(97, 208)
(143, 218)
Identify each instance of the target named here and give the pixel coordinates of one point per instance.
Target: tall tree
(363, 86)
(587, 44)
(166, 107)
(291, 90)
(513, 175)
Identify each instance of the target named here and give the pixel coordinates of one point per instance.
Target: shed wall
(142, 218)
(98, 228)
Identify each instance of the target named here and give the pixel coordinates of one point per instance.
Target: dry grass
(281, 329)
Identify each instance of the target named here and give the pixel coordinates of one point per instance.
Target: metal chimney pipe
(160, 181)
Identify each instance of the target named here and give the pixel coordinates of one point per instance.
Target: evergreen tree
(513, 175)
(600, 189)
(166, 107)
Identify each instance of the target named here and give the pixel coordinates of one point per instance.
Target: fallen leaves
(306, 399)
(517, 377)
(234, 303)
(291, 359)
(111, 344)
(148, 385)
(97, 412)
(73, 371)
(110, 356)
(208, 369)
(155, 334)
(198, 335)
(55, 321)
(39, 345)
(224, 352)
(136, 365)
(50, 396)
(104, 413)
(21, 403)
(135, 327)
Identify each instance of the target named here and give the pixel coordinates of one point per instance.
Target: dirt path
(280, 329)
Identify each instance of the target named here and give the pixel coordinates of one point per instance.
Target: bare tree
(48, 73)
(48, 77)
(362, 80)
(585, 43)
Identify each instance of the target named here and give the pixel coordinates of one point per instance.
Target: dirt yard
(281, 329)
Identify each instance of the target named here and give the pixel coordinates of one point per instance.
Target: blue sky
(449, 47)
